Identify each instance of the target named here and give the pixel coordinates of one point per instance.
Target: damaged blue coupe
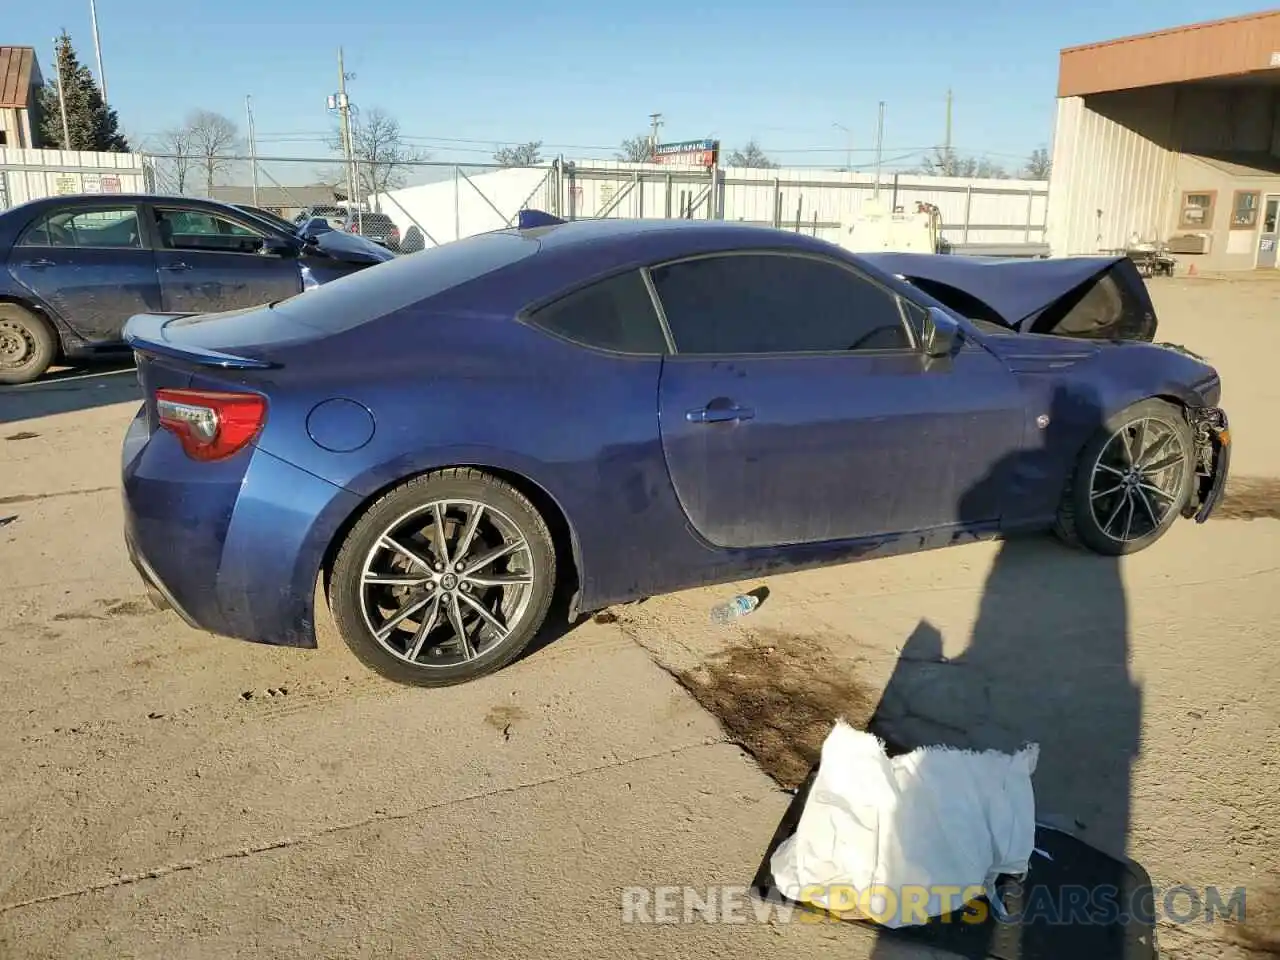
(616, 409)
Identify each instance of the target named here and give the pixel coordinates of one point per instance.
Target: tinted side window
(615, 314)
(776, 304)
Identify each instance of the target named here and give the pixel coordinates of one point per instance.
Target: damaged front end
(1212, 438)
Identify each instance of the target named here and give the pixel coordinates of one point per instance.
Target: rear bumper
(1212, 435)
(233, 547)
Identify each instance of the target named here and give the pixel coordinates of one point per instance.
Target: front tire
(1131, 482)
(445, 579)
(27, 345)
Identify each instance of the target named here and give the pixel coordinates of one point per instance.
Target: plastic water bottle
(739, 606)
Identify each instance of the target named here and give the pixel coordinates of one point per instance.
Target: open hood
(348, 247)
(1098, 298)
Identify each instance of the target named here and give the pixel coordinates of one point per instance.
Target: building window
(1197, 209)
(1244, 210)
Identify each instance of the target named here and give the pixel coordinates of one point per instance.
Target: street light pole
(97, 48)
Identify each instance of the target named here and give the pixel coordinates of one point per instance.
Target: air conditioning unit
(1189, 243)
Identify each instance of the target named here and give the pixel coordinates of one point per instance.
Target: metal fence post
(667, 200)
(639, 188)
(457, 201)
(777, 202)
(968, 208)
(1031, 202)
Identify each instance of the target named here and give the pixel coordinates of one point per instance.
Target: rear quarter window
(615, 314)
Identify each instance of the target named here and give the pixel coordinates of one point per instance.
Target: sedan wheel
(444, 579)
(1131, 481)
(27, 345)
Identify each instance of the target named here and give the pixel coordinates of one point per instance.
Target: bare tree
(1039, 165)
(213, 140)
(521, 155)
(946, 162)
(749, 155)
(177, 166)
(382, 157)
(637, 149)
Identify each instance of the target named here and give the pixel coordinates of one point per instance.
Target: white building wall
(32, 174)
(815, 202)
(1112, 178)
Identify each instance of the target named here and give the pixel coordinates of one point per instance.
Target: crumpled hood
(350, 247)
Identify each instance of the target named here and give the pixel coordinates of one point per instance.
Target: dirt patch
(1260, 929)
(777, 697)
(1250, 498)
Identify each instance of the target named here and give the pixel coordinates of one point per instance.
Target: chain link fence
(432, 202)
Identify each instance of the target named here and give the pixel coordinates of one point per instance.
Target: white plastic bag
(910, 838)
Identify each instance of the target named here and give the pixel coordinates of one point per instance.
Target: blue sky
(581, 76)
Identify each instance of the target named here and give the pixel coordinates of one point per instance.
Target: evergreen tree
(91, 123)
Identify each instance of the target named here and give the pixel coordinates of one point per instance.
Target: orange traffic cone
(1191, 270)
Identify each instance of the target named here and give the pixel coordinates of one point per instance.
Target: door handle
(719, 414)
(38, 264)
(176, 267)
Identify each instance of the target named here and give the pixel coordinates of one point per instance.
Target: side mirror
(278, 247)
(941, 333)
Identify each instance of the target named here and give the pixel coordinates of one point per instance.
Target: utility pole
(848, 156)
(62, 94)
(97, 48)
(253, 147)
(947, 141)
(879, 147)
(344, 112)
(655, 120)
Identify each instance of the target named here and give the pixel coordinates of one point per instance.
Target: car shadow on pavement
(1047, 662)
(100, 384)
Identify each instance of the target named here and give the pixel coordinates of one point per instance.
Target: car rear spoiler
(145, 333)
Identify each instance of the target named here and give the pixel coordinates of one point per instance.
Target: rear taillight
(354, 228)
(211, 425)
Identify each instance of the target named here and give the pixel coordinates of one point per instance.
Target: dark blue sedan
(74, 269)
(626, 408)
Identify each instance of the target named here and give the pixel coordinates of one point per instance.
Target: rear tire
(1131, 482)
(27, 345)
(455, 549)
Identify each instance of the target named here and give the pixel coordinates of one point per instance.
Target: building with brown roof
(1171, 137)
(20, 84)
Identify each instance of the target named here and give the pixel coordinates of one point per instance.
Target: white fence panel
(979, 211)
(33, 174)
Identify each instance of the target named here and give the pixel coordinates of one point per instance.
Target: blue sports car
(618, 409)
(73, 269)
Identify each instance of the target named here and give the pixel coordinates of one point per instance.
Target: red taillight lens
(211, 425)
(354, 228)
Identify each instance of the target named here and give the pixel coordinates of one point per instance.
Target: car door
(88, 262)
(210, 262)
(798, 407)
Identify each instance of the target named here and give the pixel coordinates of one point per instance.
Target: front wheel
(444, 579)
(1131, 482)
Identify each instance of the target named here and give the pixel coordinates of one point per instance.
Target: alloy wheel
(1137, 479)
(446, 583)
